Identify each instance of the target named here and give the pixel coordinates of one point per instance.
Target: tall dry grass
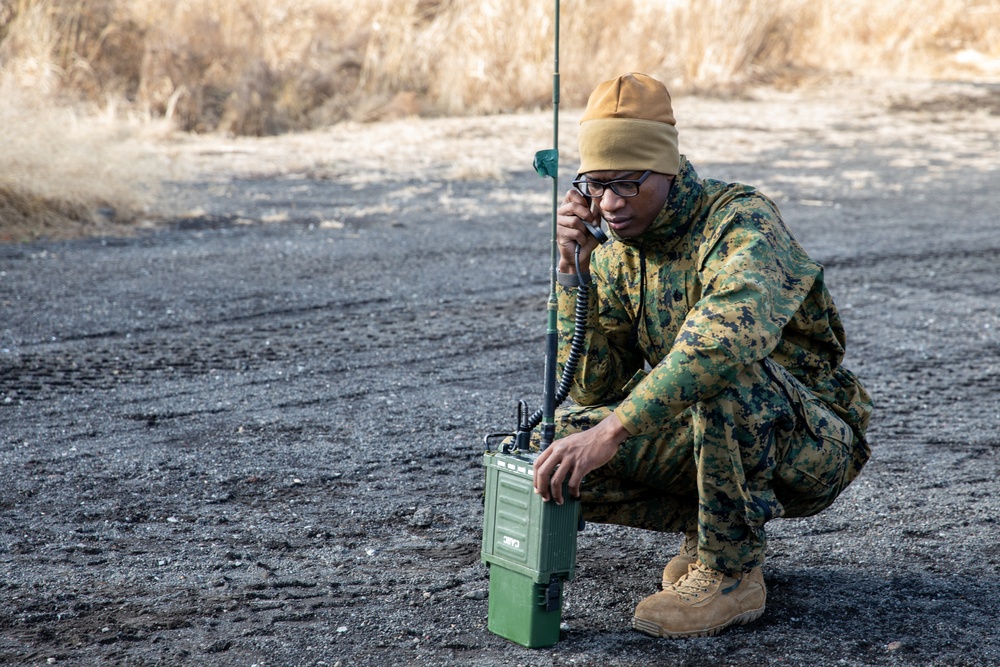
(63, 173)
(267, 66)
(257, 67)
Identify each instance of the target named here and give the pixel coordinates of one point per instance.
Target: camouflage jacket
(725, 284)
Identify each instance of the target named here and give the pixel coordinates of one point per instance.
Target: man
(710, 397)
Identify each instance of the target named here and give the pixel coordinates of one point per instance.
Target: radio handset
(595, 230)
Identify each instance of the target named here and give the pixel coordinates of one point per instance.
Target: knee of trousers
(816, 460)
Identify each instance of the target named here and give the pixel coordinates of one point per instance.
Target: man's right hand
(570, 232)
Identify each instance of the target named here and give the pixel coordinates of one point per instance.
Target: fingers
(571, 232)
(556, 484)
(541, 480)
(573, 209)
(575, 480)
(549, 475)
(578, 201)
(571, 458)
(570, 466)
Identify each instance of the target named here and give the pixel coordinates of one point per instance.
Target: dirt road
(252, 435)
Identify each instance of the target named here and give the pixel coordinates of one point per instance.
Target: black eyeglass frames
(622, 187)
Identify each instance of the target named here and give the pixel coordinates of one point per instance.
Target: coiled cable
(575, 346)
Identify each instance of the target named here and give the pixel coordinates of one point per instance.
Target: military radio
(529, 544)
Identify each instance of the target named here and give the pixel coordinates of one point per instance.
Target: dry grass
(260, 67)
(256, 67)
(63, 174)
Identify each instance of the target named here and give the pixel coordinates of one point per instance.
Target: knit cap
(629, 125)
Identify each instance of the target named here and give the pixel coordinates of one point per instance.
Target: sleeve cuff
(633, 429)
(570, 279)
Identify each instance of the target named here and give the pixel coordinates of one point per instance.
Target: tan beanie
(629, 126)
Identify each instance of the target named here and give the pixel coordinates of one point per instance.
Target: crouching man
(710, 397)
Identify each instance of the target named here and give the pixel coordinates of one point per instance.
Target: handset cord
(575, 346)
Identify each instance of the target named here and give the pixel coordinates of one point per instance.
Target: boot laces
(689, 547)
(696, 584)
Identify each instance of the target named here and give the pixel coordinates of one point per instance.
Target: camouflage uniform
(745, 413)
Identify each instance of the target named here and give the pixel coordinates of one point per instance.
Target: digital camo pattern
(745, 413)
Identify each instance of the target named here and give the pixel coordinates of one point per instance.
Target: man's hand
(576, 455)
(571, 231)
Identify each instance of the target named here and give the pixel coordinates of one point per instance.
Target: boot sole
(654, 629)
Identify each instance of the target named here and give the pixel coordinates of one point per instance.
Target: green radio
(530, 547)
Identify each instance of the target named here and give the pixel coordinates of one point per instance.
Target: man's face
(631, 216)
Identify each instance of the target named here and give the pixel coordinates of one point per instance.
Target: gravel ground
(251, 434)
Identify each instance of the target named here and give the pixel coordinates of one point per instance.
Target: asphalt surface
(233, 442)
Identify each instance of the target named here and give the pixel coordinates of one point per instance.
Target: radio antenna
(547, 164)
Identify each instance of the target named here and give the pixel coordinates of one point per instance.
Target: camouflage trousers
(764, 447)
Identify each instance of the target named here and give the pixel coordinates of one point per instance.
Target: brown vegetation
(64, 172)
(257, 67)
(260, 67)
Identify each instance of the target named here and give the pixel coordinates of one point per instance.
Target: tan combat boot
(678, 566)
(702, 603)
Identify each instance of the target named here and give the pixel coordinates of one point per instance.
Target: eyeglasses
(622, 188)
